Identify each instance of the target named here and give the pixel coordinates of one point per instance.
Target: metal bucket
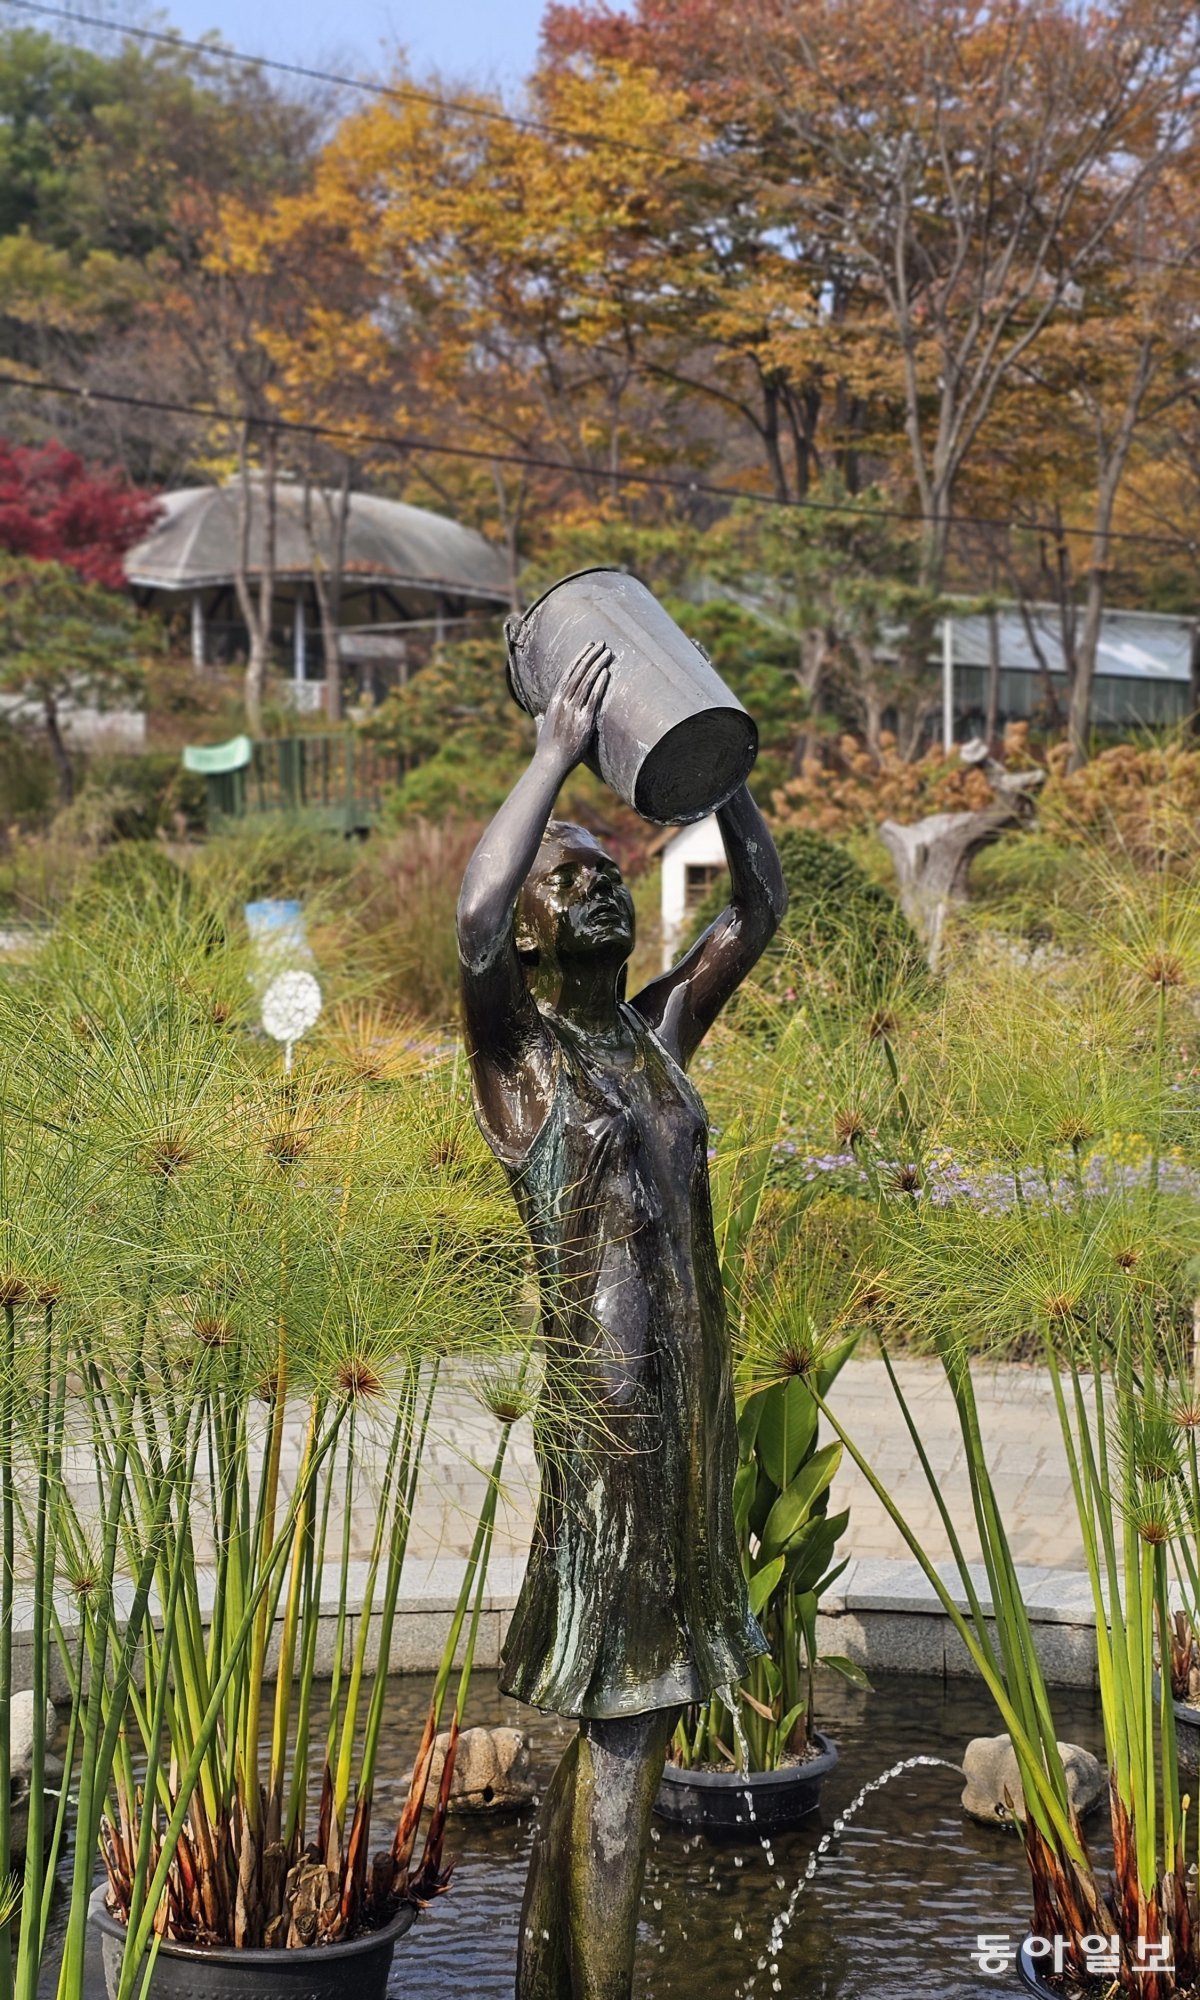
(670, 738)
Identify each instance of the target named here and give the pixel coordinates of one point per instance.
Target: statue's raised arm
(682, 1005)
(507, 1043)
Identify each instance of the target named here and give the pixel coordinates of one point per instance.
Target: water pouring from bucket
(670, 738)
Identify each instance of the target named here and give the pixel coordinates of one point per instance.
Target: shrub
(187, 705)
(462, 777)
(1144, 798)
(38, 872)
(397, 933)
(133, 796)
(28, 787)
(133, 876)
(274, 854)
(850, 793)
(462, 737)
(841, 930)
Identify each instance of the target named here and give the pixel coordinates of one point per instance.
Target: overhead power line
(405, 443)
(459, 107)
(399, 93)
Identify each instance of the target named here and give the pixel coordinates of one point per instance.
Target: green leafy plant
(788, 1539)
(794, 1311)
(844, 943)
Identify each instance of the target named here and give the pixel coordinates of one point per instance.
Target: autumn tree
(490, 281)
(268, 269)
(113, 166)
(842, 580)
(1083, 420)
(953, 173)
(54, 509)
(229, 308)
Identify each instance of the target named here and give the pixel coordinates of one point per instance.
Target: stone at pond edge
(18, 1809)
(20, 1738)
(491, 1771)
(20, 1731)
(1187, 1734)
(990, 1768)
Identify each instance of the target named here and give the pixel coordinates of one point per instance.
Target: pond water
(892, 1910)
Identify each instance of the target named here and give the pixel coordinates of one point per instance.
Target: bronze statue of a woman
(634, 1602)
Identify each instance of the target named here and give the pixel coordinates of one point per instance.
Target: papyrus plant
(254, 1285)
(1067, 1094)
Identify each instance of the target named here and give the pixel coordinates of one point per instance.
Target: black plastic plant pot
(1187, 1731)
(1033, 1978)
(741, 1805)
(357, 1966)
(1187, 1736)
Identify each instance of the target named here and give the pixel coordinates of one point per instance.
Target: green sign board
(212, 758)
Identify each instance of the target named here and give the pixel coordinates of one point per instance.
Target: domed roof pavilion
(404, 570)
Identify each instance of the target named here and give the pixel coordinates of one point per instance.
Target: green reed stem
(29, 1953)
(139, 1933)
(1044, 1794)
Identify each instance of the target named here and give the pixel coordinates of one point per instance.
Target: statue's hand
(571, 712)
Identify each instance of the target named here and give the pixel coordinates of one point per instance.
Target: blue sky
(478, 41)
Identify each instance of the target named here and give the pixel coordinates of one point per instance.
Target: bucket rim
(573, 576)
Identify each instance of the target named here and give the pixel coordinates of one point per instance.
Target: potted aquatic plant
(1179, 1642)
(232, 1305)
(38, 1236)
(1182, 1654)
(1070, 1103)
(752, 1757)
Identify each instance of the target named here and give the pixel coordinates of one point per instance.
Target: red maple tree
(54, 508)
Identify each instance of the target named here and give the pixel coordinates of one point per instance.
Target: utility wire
(459, 107)
(399, 93)
(408, 442)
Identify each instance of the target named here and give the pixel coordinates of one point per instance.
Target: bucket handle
(512, 626)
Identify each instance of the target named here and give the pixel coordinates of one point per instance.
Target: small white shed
(692, 859)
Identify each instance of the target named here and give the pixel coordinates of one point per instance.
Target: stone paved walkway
(1016, 1414)
(1020, 1429)
(1017, 1417)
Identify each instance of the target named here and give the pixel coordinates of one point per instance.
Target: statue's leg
(580, 1914)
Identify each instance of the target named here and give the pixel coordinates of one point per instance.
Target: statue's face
(574, 903)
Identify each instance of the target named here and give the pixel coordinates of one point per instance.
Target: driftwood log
(933, 858)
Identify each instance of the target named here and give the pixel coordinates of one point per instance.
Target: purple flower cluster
(824, 1163)
(992, 1191)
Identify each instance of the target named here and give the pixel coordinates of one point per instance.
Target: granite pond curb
(883, 1614)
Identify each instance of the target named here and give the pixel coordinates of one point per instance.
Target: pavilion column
(299, 638)
(198, 632)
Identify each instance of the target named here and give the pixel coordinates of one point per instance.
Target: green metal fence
(339, 778)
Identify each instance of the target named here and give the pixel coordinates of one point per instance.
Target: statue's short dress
(634, 1598)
